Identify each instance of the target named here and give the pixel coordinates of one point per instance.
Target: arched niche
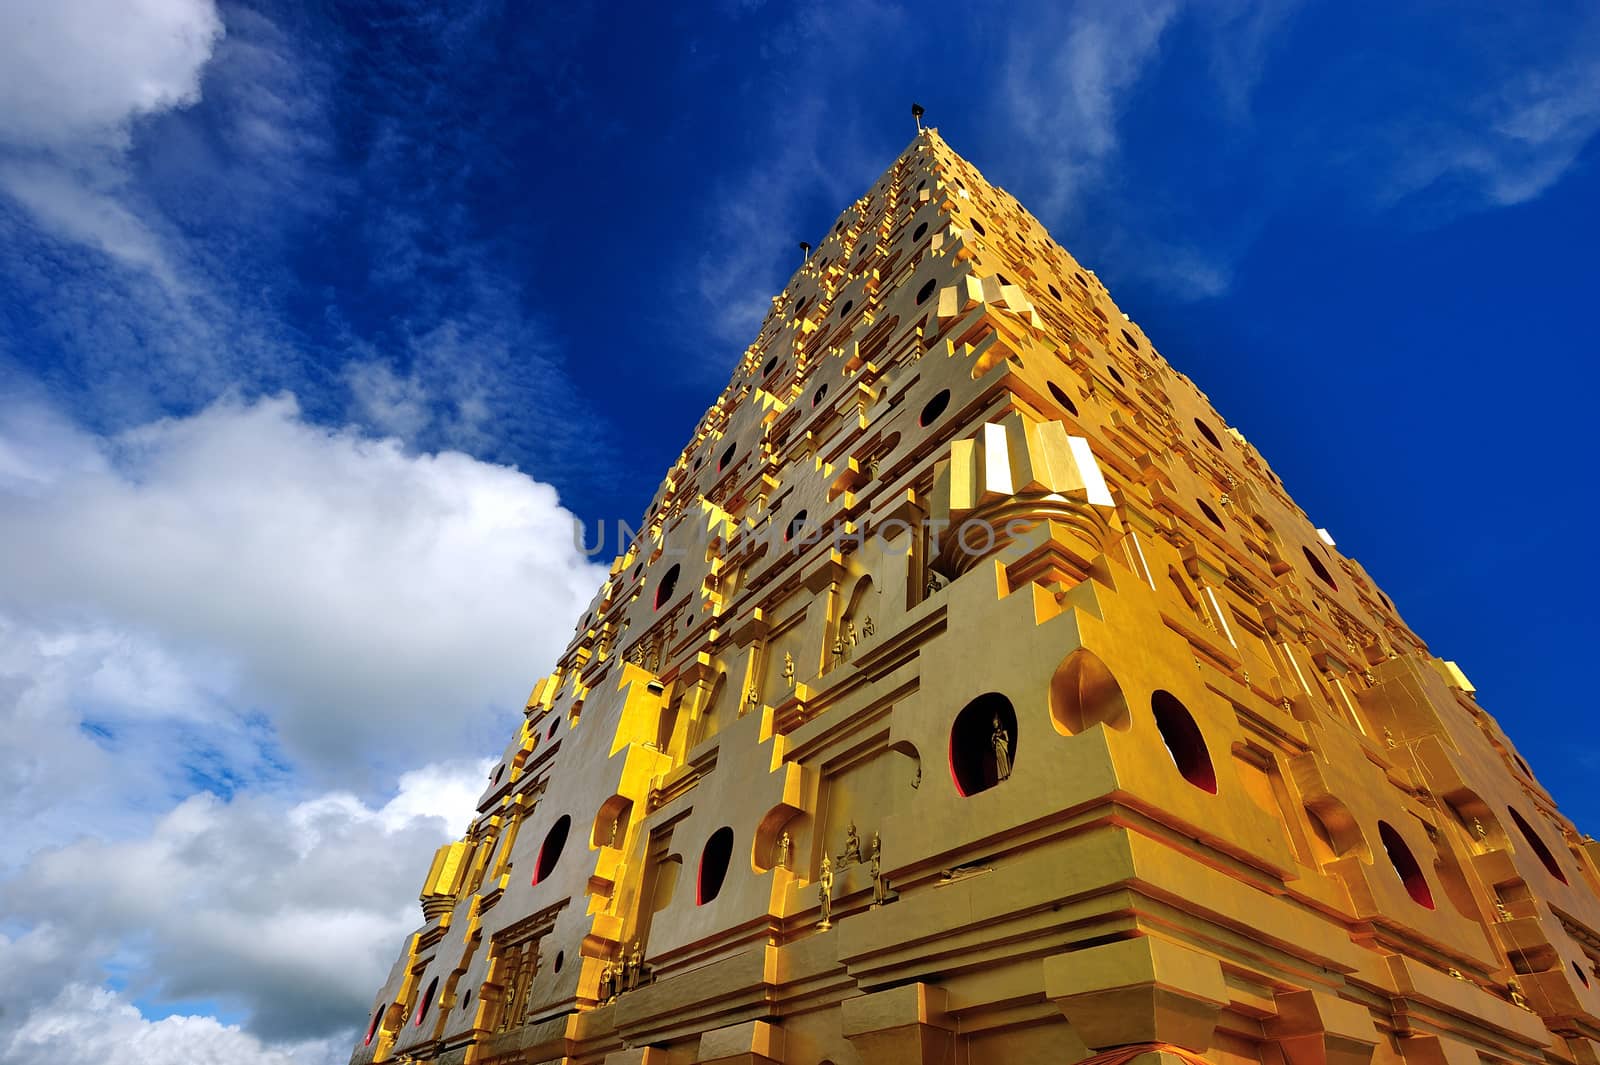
(1334, 830)
(908, 763)
(611, 822)
(979, 759)
(767, 844)
(862, 602)
(1475, 816)
(1084, 693)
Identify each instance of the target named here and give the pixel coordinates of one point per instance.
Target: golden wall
(1135, 761)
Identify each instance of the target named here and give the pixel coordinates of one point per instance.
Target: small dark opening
(819, 394)
(669, 581)
(552, 732)
(1319, 569)
(561, 959)
(1538, 846)
(1115, 376)
(372, 1029)
(977, 225)
(1205, 431)
(1063, 399)
(935, 407)
(1184, 741)
(713, 865)
(797, 526)
(926, 290)
(975, 763)
(1405, 865)
(846, 308)
(772, 364)
(1581, 974)
(918, 232)
(550, 851)
(1053, 291)
(727, 457)
(1205, 508)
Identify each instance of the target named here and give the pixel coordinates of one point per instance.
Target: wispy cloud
(74, 78)
(812, 151)
(1509, 144)
(1066, 86)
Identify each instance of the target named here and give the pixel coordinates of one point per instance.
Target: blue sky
(320, 323)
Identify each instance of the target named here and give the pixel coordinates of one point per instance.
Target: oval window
(550, 850)
(1063, 399)
(427, 1000)
(983, 743)
(713, 865)
(669, 582)
(1184, 741)
(1405, 865)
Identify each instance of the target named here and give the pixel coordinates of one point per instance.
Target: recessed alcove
(974, 748)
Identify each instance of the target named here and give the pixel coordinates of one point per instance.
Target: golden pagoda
(974, 693)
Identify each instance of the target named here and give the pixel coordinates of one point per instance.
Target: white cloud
(87, 1025)
(78, 73)
(370, 603)
(290, 911)
(74, 77)
(181, 604)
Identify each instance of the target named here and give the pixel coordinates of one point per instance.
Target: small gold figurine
(1517, 998)
(784, 848)
(868, 629)
(852, 847)
(1002, 750)
(879, 888)
(1477, 828)
(825, 893)
(788, 670)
